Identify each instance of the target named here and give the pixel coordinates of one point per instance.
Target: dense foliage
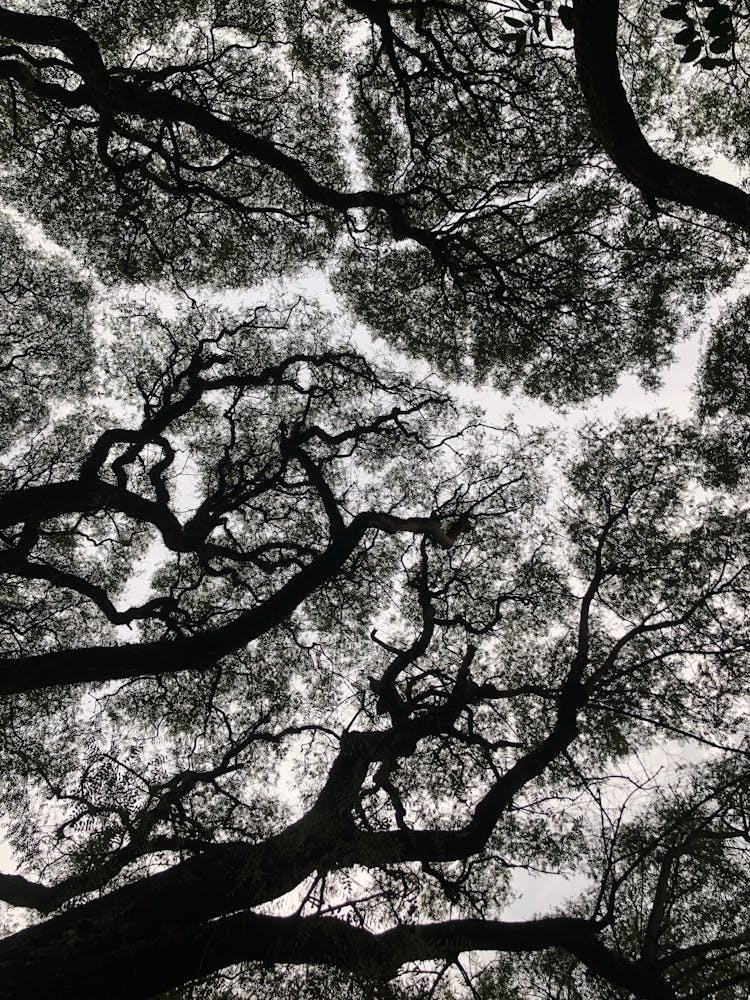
(308, 669)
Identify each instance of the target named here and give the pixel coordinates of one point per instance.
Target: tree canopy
(307, 663)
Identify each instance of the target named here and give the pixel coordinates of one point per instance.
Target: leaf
(719, 20)
(708, 63)
(548, 26)
(692, 52)
(515, 21)
(720, 44)
(566, 17)
(685, 36)
(675, 12)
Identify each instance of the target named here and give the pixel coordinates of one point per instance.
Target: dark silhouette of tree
(303, 660)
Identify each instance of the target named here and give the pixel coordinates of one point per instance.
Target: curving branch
(614, 122)
(380, 956)
(109, 93)
(139, 968)
(200, 651)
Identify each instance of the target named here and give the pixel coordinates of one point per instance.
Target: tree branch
(615, 124)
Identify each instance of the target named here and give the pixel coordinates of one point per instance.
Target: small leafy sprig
(538, 18)
(708, 29)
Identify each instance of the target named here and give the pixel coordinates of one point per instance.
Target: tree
(303, 660)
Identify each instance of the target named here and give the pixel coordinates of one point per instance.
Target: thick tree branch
(613, 120)
(111, 95)
(201, 650)
(140, 968)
